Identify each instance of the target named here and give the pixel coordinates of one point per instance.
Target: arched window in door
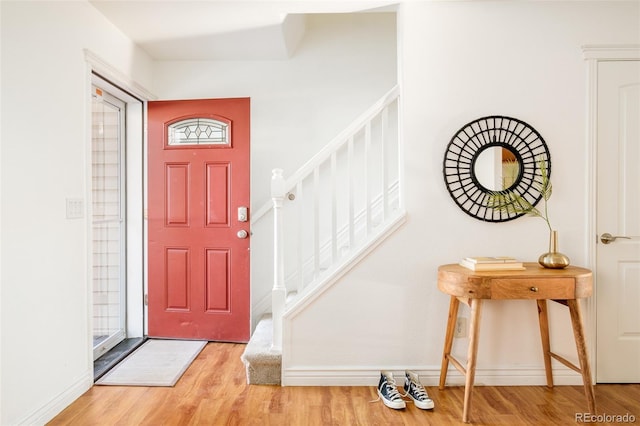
(199, 131)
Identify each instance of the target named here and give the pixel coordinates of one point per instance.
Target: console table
(564, 286)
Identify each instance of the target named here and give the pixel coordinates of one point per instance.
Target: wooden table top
(534, 282)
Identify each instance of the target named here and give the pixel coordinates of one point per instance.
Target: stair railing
(332, 205)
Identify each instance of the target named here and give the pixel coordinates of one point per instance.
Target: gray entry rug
(155, 363)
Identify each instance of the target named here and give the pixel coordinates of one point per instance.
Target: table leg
(576, 321)
(448, 340)
(544, 334)
(474, 328)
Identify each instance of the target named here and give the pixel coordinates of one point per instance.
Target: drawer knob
(534, 289)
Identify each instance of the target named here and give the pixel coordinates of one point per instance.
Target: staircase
(327, 216)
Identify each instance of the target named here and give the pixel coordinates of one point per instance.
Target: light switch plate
(75, 208)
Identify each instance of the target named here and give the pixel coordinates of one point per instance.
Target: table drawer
(533, 288)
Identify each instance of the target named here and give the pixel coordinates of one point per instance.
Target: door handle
(607, 238)
(242, 234)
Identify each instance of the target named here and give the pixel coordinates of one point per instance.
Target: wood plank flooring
(213, 391)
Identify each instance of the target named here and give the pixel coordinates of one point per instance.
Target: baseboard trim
(429, 376)
(47, 412)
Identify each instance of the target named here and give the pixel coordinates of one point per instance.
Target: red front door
(198, 219)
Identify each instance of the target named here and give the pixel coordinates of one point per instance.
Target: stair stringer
(314, 291)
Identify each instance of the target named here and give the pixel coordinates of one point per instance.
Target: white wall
(461, 61)
(45, 336)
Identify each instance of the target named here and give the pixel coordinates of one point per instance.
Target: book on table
(488, 263)
(492, 259)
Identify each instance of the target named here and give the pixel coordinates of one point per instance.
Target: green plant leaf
(514, 204)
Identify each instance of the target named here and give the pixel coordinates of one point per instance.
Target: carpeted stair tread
(262, 363)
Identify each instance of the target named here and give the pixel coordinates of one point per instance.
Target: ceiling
(222, 30)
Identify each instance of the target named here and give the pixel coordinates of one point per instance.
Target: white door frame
(594, 54)
(136, 100)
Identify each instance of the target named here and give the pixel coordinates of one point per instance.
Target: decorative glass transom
(199, 131)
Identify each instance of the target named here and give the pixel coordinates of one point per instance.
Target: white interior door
(618, 214)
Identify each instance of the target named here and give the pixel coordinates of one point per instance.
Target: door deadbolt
(243, 216)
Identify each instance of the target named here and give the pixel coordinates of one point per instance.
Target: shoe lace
(417, 390)
(391, 388)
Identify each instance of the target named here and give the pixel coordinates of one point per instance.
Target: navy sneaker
(388, 391)
(414, 390)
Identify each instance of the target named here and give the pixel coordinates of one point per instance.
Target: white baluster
(367, 177)
(385, 165)
(279, 292)
(300, 221)
(316, 222)
(399, 147)
(351, 196)
(334, 208)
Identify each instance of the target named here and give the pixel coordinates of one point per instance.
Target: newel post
(279, 292)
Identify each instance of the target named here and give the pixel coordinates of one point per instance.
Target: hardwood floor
(213, 391)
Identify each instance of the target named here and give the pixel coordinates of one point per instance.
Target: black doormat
(119, 352)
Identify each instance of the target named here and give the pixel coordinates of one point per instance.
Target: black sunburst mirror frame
(518, 137)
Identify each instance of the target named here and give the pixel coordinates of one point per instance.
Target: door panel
(177, 279)
(217, 194)
(217, 284)
(177, 194)
(198, 176)
(618, 213)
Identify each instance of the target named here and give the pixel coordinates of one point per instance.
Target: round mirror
(492, 155)
(496, 168)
